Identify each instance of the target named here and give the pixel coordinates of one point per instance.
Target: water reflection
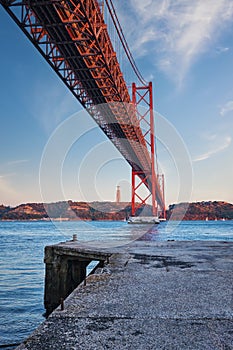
(151, 234)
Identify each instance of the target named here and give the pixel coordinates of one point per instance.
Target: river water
(22, 268)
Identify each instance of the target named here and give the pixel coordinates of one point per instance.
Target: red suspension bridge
(75, 39)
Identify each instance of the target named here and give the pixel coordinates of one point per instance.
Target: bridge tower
(142, 97)
(118, 195)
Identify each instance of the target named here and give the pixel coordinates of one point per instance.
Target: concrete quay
(146, 295)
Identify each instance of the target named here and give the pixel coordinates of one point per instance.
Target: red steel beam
(73, 38)
(142, 98)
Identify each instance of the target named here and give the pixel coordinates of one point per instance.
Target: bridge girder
(73, 38)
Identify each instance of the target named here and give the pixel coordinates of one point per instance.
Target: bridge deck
(73, 38)
(75, 42)
(150, 295)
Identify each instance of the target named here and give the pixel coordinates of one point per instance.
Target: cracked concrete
(164, 295)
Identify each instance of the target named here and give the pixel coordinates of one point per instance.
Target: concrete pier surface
(147, 295)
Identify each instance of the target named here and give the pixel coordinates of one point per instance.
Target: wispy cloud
(209, 136)
(228, 107)
(177, 31)
(224, 145)
(17, 161)
(220, 49)
(5, 176)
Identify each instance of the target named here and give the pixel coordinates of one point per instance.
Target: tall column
(63, 274)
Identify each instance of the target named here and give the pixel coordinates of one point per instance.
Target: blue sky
(185, 47)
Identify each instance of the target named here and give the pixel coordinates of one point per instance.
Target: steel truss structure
(73, 38)
(143, 101)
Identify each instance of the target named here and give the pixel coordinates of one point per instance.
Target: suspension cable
(123, 40)
(129, 55)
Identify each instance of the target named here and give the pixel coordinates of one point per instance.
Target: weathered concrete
(150, 295)
(65, 270)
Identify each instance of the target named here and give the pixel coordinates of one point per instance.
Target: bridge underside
(73, 38)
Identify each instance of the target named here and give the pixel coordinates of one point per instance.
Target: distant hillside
(69, 211)
(3, 210)
(201, 211)
(112, 211)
